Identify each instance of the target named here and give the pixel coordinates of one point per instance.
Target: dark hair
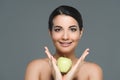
(67, 10)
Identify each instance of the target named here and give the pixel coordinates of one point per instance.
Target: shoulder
(35, 68)
(93, 70)
(37, 63)
(92, 66)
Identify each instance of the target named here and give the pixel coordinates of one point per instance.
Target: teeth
(65, 44)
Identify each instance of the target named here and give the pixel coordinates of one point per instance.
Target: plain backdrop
(24, 33)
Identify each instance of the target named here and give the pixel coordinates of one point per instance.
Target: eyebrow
(73, 26)
(57, 26)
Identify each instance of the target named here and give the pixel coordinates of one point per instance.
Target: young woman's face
(65, 33)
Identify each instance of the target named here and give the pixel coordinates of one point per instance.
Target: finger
(85, 53)
(47, 52)
(53, 63)
(56, 72)
(74, 69)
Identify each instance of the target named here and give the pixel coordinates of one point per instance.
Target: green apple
(64, 64)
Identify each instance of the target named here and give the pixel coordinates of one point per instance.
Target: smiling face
(65, 33)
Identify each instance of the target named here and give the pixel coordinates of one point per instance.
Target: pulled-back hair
(66, 10)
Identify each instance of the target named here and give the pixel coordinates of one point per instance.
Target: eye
(57, 30)
(73, 29)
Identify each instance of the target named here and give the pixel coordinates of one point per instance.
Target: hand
(69, 76)
(56, 72)
(74, 69)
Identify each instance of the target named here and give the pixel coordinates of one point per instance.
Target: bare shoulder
(35, 68)
(37, 63)
(93, 70)
(92, 66)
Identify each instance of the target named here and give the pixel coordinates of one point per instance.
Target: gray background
(24, 33)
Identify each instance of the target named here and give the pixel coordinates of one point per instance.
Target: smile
(65, 44)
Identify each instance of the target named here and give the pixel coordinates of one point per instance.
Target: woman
(65, 28)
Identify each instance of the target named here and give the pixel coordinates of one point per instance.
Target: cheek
(75, 37)
(56, 37)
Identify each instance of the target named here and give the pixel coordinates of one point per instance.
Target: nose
(65, 35)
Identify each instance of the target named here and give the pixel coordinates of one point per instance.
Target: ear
(81, 33)
(50, 32)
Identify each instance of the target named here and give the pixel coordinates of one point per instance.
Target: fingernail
(88, 49)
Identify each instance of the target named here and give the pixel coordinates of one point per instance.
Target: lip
(65, 44)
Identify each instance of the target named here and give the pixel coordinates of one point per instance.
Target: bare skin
(41, 70)
(65, 35)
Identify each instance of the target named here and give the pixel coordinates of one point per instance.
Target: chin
(65, 50)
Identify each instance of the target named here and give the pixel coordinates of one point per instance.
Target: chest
(46, 74)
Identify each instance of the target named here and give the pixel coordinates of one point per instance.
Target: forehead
(64, 20)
